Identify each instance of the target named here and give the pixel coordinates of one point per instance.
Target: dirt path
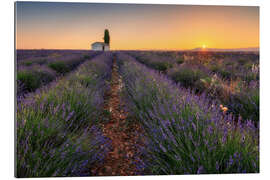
(123, 134)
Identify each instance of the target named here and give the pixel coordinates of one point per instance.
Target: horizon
(194, 49)
(75, 26)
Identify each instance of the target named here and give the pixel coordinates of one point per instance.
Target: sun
(203, 46)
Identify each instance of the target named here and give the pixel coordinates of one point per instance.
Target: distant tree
(106, 36)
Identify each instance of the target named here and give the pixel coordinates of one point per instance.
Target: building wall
(99, 47)
(106, 48)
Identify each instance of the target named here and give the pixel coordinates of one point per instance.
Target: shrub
(203, 84)
(35, 77)
(160, 66)
(28, 63)
(86, 57)
(180, 61)
(248, 66)
(226, 74)
(230, 63)
(250, 74)
(249, 77)
(59, 67)
(186, 76)
(30, 79)
(242, 61)
(223, 72)
(214, 68)
(246, 103)
(41, 61)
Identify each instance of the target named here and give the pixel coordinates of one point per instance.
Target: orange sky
(76, 26)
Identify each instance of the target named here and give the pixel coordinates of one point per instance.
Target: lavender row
(233, 82)
(25, 55)
(186, 133)
(36, 72)
(57, 126)
(228, 65)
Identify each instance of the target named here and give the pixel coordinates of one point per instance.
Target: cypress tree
(106, 36)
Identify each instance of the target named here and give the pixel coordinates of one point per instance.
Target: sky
(55, 25)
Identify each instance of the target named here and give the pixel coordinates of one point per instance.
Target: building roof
(96, 43)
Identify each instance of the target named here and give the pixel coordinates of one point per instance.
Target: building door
(102, 48)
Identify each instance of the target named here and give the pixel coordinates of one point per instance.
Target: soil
(124, 134)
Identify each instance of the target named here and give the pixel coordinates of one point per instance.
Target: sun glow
(203, 46)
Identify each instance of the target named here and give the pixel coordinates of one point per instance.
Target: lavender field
(94, 113)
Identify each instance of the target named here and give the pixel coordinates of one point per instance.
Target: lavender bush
(57, 126)
(35, 76)
(225, 77)
(186, 133)
(42, 68)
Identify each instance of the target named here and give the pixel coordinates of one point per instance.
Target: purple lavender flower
(200, 170)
